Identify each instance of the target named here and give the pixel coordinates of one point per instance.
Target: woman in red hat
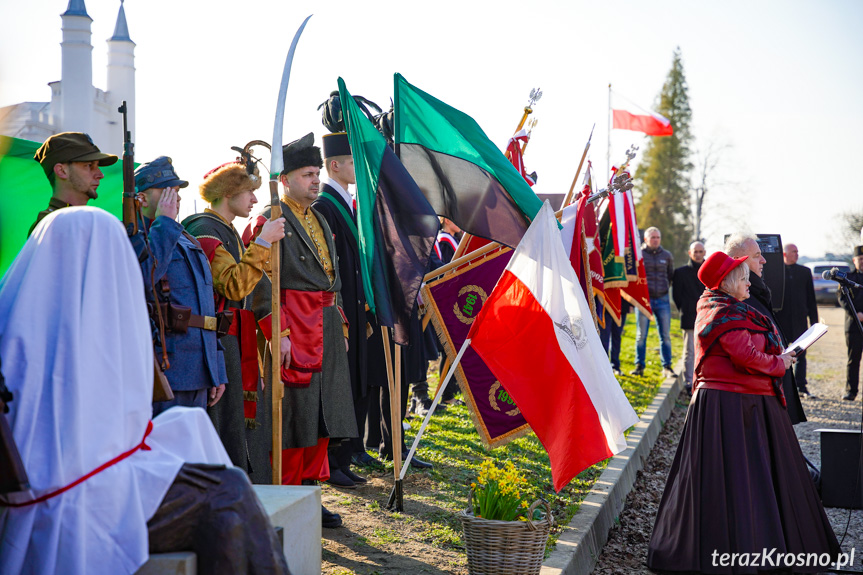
(739, 496)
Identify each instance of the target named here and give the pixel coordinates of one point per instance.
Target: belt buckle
(209, 323)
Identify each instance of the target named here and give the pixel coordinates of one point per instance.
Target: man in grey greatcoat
(318, 404)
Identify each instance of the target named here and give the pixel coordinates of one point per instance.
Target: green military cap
(70, 147)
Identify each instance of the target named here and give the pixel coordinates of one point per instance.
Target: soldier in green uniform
(71, 162)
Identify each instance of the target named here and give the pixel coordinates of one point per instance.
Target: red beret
(716, 267)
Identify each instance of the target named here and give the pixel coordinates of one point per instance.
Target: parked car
(825, 290)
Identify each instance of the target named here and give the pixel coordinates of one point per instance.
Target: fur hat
(228, 179)
(301, 153)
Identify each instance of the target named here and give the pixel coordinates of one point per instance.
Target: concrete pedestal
(296, 509)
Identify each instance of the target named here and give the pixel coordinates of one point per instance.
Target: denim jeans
(609, 336)
(662, 312)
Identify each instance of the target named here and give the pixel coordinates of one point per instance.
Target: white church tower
(76, 96)
(121, 74)
(76, 105)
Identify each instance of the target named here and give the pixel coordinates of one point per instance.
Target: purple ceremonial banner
(455, 300)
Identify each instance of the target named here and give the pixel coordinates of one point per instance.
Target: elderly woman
(739, 483)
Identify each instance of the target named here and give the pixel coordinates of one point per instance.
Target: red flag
(652, 124)
(513, 150)
(563, 385)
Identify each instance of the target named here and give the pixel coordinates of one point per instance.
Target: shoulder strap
(347, 217)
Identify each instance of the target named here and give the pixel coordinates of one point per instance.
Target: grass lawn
(453, 445)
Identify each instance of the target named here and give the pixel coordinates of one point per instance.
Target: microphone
(840, 277)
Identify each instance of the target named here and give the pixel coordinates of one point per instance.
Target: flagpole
(395, 420)
(608, 148)
(535, 95)
(568, 197)
(434, 404)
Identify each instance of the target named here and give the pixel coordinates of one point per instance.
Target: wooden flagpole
(395, 418)
(568, 198)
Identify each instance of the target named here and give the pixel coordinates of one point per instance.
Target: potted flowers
(503, 535)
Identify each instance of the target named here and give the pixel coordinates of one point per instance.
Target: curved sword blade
(277, 162)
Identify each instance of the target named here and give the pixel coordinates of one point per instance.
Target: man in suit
(799, 310)
(686, 288)
(178, 267)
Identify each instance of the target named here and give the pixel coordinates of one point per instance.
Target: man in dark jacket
(853, 337)
(799, 310)
(659, 266)
(337, 206)
(738, 245)
(686, 289)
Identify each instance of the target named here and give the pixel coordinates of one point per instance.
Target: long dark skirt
(738, 484)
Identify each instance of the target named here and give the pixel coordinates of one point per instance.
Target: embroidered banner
(455, 300)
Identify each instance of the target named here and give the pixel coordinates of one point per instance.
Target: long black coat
(686, 288)
(799, 309)
(759, 298)
(353, 294)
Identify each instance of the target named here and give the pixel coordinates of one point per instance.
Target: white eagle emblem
(575, 331)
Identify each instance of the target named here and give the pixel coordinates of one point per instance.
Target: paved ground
(626, 549)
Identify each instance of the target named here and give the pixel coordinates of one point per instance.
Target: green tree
(662, 178)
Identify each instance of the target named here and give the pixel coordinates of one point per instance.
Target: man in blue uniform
(178, 268)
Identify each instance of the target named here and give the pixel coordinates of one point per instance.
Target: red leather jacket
(737, 362)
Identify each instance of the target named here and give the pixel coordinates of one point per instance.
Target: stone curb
(579, 547)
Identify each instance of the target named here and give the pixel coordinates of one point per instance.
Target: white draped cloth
(77, 355)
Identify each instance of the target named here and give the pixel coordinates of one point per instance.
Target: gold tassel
(251, 423)
(250, 395)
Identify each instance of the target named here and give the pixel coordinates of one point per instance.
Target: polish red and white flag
(536, 334)
(651, 124)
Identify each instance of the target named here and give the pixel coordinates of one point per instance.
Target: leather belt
(203, 322)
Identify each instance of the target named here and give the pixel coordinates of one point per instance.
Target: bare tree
(709, 159)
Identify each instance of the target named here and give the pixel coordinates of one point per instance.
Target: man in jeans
(659, 266)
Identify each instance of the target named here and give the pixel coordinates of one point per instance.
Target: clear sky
(777, 82)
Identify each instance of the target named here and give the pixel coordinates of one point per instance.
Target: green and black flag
(464, 176)
(397, 225)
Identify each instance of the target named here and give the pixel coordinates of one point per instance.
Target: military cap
(301, 153)
(157, 174)
(858, 251)
(336, 144)
(70, 147)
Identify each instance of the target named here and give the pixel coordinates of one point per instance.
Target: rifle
(13, 476)
(131, 213)
(130, 205)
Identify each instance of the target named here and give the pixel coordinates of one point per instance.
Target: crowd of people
(191, 301)
(203, 301)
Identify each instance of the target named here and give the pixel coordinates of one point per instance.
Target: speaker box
(841, 468)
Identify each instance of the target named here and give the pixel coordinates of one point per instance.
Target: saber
(277, 164)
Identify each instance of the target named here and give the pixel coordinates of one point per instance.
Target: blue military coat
(196, 357)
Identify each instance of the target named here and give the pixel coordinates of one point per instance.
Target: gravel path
(626, 549)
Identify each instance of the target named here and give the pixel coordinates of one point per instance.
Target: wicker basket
(505, 547)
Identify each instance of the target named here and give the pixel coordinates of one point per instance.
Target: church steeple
(76, 8)
(121, 29)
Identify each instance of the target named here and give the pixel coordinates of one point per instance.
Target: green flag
(464, 176)
(397, 226)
